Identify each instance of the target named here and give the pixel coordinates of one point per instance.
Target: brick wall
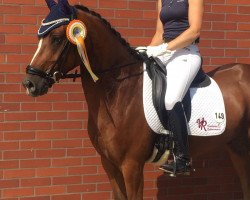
(45, 153)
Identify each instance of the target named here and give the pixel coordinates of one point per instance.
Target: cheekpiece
(61, 13)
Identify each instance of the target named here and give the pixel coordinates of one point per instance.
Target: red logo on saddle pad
(202, 123)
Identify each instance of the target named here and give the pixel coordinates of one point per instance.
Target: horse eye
(56, 40)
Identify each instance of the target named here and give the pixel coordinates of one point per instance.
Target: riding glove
(157, 50)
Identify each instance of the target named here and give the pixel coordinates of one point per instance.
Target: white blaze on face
(37, 51)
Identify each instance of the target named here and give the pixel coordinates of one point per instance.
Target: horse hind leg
(116, 179)
(239, 152)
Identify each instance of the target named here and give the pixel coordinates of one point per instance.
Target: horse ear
(64, 5)
(50, 3)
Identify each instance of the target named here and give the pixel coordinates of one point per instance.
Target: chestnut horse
(116, 122)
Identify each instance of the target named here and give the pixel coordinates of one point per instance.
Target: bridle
(54, 75)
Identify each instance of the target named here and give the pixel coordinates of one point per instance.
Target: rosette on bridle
(76, 33)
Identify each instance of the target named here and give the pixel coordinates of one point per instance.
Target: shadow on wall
(214, 178)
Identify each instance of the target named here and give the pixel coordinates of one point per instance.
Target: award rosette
(76, 34)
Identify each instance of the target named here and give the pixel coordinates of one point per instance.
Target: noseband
(53, 75)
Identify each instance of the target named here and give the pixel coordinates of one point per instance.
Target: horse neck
(105, 48)
(117, 85)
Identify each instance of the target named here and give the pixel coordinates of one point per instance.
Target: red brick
(50, 153)
(142, 5)
(18, 154)
(237, 35)
(53, 97)
(244, 44)
(19, 135)
(9, 164)
(20, 116)
(224, 26)
(81, 188)
(20, 19)
(67, 197)
(8, 146)
(51, 134)
(36, 106)
(68, 88)
(244, 27)
(50, 190)
(237, 52)
(78, 134)
(35, 163)
(69, 180)
(31, 182)
(14, 78)
(36, 198)
(244, 9)
(237, 2)
(238, 18)
(139, 23)
(113, 4)
(27, 2)
(67, 105)
(82, 152)
(51, 116)
(67, 143)
(35, 125)
(224, 9)
(66, 162)
(33, 10)
(10, 9)
(44, 172)
(35, 145)
(8, 68)
(99, 195)
(17, 98)
(9, 183)
(18, 192)
(9, 126)
(119, 22)
(67, 125)
(224, 43)
(19, 173)
(7, 107)
(82, 170)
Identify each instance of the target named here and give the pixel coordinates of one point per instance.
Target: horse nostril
(29, 85)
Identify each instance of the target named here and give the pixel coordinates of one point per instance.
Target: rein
(53, 77)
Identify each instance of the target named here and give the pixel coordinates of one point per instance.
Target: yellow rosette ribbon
(76, 33)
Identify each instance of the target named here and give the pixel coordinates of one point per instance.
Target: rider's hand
(157, 50)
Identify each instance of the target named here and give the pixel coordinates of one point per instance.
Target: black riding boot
(178, 125)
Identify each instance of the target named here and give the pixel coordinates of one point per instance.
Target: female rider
(175, 43)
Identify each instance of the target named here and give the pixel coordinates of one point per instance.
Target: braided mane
(108, 25)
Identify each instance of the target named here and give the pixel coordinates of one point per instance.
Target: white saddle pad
(208, 117)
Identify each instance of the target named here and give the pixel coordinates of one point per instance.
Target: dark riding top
(174, 17)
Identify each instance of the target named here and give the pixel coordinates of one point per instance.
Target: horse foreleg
(116, 179)
(241, 160)
(133, 177)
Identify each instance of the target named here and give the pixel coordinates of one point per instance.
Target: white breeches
(182, 68)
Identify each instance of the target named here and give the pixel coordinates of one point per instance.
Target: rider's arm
(195, 15)
(157, 38)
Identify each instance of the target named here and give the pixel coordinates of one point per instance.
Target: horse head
(55, 55)
(65, 41)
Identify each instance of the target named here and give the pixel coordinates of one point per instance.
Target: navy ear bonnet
(61, 13)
